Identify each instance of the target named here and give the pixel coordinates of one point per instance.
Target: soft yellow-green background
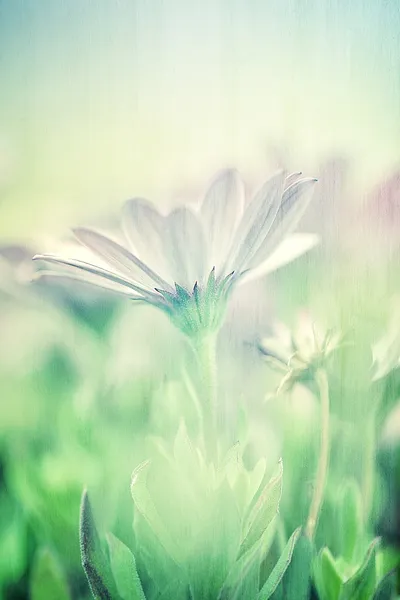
(104, 99)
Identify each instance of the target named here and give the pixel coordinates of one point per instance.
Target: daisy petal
(295, 200)
(185, 247)
(86, 279)
(144, 228)
(256, 222)
(117, 257)
(291, 248)
(77, 266)
(221, 210)
(290, 179)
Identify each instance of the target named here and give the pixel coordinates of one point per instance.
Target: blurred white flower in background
(299, 354)
(188, 262)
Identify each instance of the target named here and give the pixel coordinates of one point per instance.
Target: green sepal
(94, 560)
(47, 579)
(182, 294)
(210, 287)
(123, 566)
(209, 307)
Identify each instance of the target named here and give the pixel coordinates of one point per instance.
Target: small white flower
(301, 353)
(188, 262)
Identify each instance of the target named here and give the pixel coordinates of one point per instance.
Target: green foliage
(327, 578)
(47, 579)
(361, 585)
(386, 588)
(193, 542)
(350, 520)
(123, 567)
(339, 580)
(94, 559)
(263, 512)
(13, 540)
(280, 569)
(296, 581)
(360, 571)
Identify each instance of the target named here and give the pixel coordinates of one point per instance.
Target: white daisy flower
(300, 354)
(188, 262)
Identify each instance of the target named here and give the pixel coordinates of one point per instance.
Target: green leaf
(184, 452)
(243, 580)
(279, 570)
(13, 539)
(263, 512)
(176, 590)
(159, 567)
(351, 520)
(47, 580)
(145, 505)
(123, 566)
(94, 560)
(217, 544)
(327, 578)
(386, 588)
(297, 579)
(361, 585)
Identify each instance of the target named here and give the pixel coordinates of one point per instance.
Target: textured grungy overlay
(102, 99)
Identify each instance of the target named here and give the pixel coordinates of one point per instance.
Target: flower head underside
(188, 262)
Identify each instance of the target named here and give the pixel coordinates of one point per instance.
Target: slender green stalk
(205, 349)
(323, 463)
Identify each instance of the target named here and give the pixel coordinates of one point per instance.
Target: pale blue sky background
(104, 99)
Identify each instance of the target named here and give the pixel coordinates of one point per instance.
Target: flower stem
(323, 463)
(205, 349)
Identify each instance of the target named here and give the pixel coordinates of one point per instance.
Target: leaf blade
(279, 570)
(94, 561)
(362, 584)
(123, 566)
